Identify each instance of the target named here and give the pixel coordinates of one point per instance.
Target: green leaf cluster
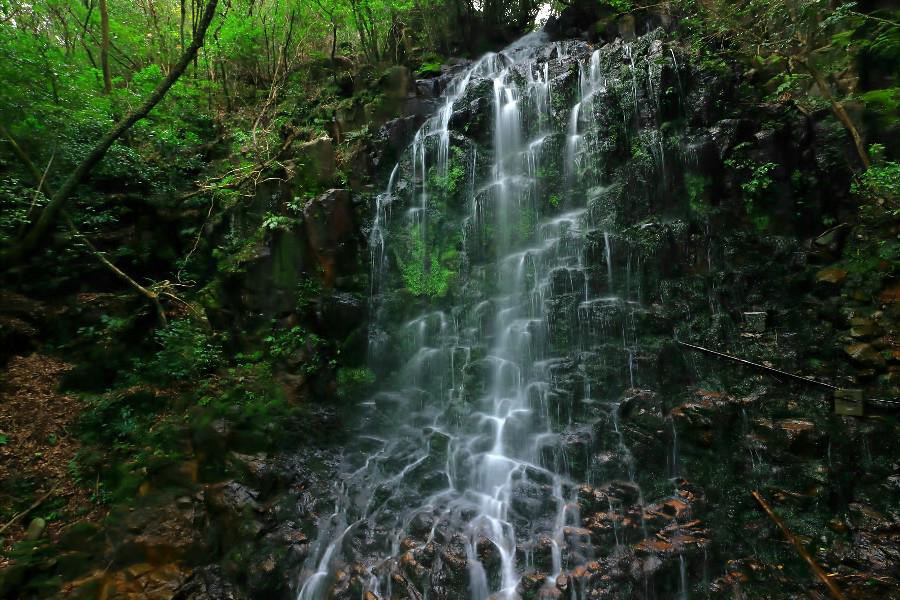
(427, 272)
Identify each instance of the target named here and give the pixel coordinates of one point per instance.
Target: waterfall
(478, 442)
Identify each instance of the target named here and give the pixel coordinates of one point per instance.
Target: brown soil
(36, 448)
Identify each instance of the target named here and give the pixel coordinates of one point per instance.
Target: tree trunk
(84, 29)
(50, 213)
(181, 25)
(840, 112)
(104, 47)
(287, 42)
(333, 48)
(225, 90)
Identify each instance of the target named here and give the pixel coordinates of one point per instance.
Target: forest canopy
(72, 69)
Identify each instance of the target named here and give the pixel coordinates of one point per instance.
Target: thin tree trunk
(84, 29)
(373, 33)
(287, 42)
(195, 14)
(104, 47)
(50, 213)
(265, 31)
(840, 112)
(68, 43)
(333, 49)
(90, 56)
(225, 91)
(181, 25)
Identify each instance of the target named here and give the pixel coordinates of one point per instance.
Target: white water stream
(467, 445)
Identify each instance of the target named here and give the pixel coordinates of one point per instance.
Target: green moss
(286, 255)
(431, 68)
(756, 183)
(427, 272)
(447, 185)
(695, 186)
(525, 224)
(354, 382)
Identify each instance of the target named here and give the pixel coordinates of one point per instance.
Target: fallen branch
(37, 192)
(43, 187)
(152, 296)
(798, 546)
(254, 174)
(36, 504)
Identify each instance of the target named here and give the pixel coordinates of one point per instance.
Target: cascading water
(471, 460)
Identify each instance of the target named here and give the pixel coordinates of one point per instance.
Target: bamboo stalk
(801, 550)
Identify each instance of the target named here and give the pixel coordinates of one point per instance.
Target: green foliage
(869, 264)
(238, 251)
(755, 185)
(784, 83)
(695, 186)
(245, 395)
(117, 419)
(880, 182)
(16, 202)
(760, 179)
(549, 175)
(427, 272)
(872, 253)
(186, 351)
(354, 382)
(273, 222)
(639, 146)
(284, 344)
(886, 101)
(307, 291)
(448, 183)
(107, 332)
(801, 50)
(525, 223)
(619, 6)
(431, 67)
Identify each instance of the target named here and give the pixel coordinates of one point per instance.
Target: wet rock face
(331, 234)
(167, 534)
(638, 544)
(604, 187)
(425, 537)
(238, 538)
(315, 161)
(306, 270)
(207, 583)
